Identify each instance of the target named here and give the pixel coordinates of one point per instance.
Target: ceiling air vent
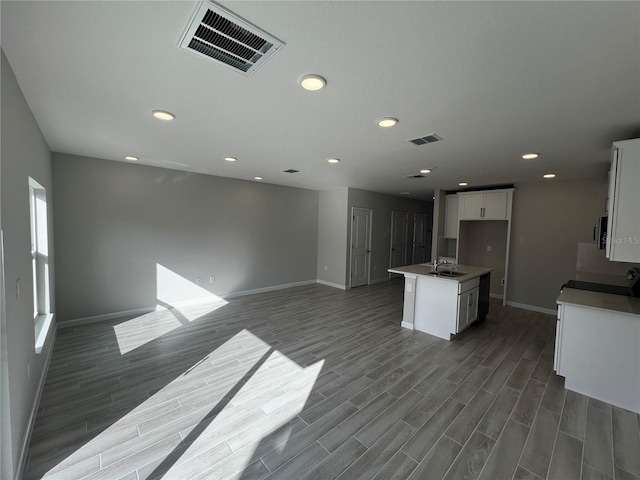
(426, 139)
(219, 35)
(417, 175)
(291, 170)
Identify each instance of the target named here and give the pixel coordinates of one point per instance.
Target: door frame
(413, 253)
(369, 234)
(406, 236)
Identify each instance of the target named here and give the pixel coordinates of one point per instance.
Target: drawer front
(466, 286)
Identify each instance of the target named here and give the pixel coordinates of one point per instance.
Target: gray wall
(115, 222)
(548, 221)
(332, 236)
(382, 206)
(479, 235)
(24, 153)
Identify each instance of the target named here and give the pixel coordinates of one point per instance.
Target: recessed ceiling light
(387, 122)
(162, 115)
(530, 156)
(230, 159)
(425, 170)
(550, 175)
(312, 82)
(463, 184)
(131, 158)
(258, 178)
(333, 160)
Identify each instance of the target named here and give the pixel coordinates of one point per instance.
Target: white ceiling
(494, 79)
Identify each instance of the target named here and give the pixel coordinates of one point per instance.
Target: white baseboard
(196, 301)
(407, 325)
(496, 295)
(106, 316)
(331, 284)
(532, 308)
(24, 448)
(268, 289)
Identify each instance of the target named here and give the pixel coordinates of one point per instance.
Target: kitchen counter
(605, 302)
(424, 269)
(441, 305)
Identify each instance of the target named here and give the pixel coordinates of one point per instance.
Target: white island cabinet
(598, 346)
(441, 305)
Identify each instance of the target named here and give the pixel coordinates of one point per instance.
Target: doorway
(419, 238)
(360, 246)
(398, 253)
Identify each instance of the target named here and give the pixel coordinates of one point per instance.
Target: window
(39, 261)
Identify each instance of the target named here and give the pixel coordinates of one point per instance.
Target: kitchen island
(443, 302)
(598, 346)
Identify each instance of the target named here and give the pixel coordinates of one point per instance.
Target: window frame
(39, 234)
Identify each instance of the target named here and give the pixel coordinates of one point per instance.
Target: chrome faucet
(437, 263)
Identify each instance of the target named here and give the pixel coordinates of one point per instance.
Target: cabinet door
(495, 206)
(467, 308)
(471, 206)
(451, 217)
(623, 236)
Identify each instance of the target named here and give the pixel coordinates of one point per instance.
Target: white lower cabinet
(467, 308)
(444, 307)
(598, 354)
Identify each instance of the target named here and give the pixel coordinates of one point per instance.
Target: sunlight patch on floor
(221, 409)
(179, 302)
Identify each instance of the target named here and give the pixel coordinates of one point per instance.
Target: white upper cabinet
(489, 205)
(623, 223)
(451, 217)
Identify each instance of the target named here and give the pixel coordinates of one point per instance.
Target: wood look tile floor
(318, 383)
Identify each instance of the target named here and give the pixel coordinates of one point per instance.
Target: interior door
(419, 238)
(360, 246)
(398, 257)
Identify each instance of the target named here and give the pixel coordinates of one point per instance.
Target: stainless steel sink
(445, 273)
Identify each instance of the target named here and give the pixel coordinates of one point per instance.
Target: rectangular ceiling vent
(217, 34)
(426, 139)
(291, 170)
(417, 175)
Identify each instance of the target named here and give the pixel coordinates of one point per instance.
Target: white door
(419, 238)
(360, 246)
(398, 256)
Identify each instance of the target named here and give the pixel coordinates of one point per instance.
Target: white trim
(407, 325)
(496, 295)
(331, 284)
(533, 308)
(267, 289)
(42, 326)
(145, 310)
(34, 411)
(106, 316)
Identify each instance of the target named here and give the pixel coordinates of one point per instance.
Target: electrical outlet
(502, 282)
(198, 280)
(326, 268)
(212, 279)
(409, 287)
(488, 248)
